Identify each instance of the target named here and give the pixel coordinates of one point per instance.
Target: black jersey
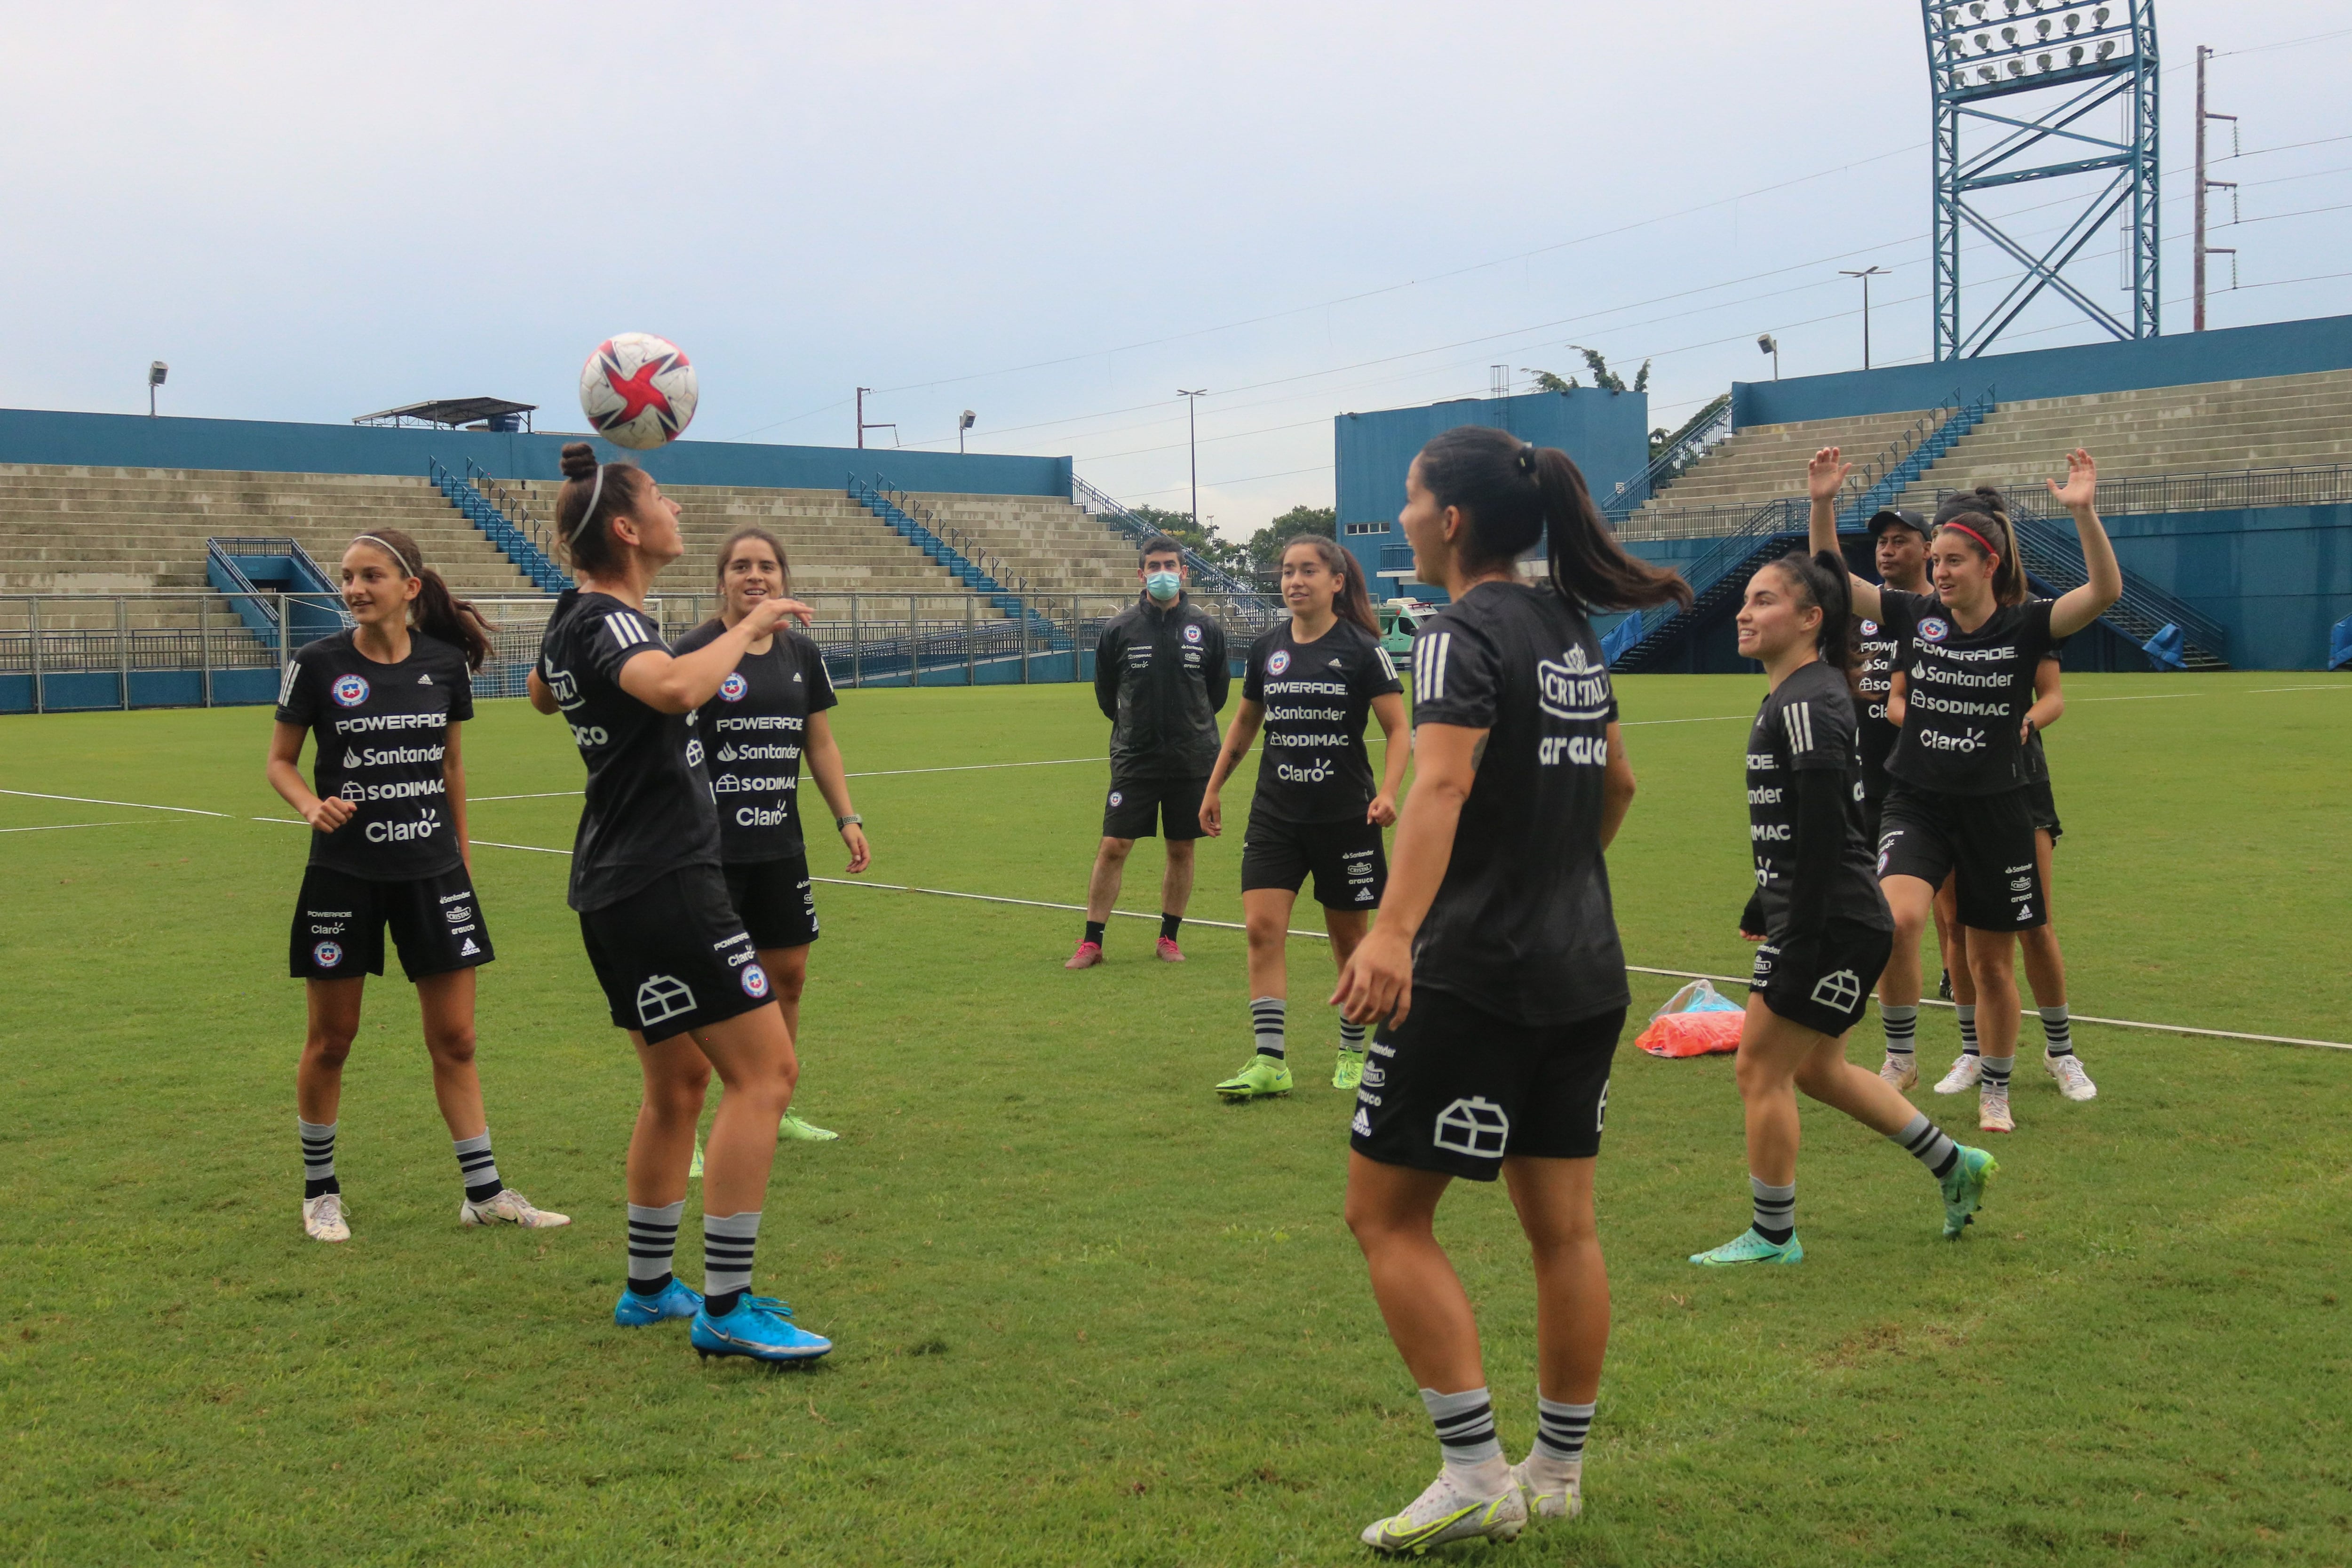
(1806, 725)
(1881, 656)
(648, 810)
(1316, 696)
(1522, 924)
(382, 730)
(756, 729)
(1966, 692)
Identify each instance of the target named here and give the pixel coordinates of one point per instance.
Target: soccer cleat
(1350, 1073)
(1944, 986)
(1449, 1511)
(1964, 1188)
(510, 1207)
(1749, 1248)
(1966, 1074)
(792, 1127)
(2072, 1081)
(672, 1301)
(1169, 952)
(1900, 1069)
(1993, 1110)
(323, 1218)
(1089, 953)
(1565, 1502)
(760, 1326)
(1264, 1076)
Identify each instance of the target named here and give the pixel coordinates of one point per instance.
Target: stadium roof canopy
(452, 412)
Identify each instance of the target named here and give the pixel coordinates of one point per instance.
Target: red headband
(1979, 538)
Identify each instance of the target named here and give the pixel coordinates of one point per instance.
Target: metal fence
(77, 652)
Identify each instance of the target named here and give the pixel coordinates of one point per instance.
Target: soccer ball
(637, 390)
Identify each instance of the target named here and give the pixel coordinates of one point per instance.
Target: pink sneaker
(1169, 952)
(1089, 953)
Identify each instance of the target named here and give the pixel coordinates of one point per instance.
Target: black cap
(1890, 516)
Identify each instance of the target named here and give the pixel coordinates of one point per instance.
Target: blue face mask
(1163, 585)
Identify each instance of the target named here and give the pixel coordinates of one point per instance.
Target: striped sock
(2057, 1033)
(1928, 1145)
(477, 1166)
(727, 1244)
(1560, 1429)
(1466, 1426)
(1902, 1029)
(1968, 1012)
(318, 1157)
(1996, 1071)
(1776, 1210)
(653, 1246)
(1351, 1036)
(1266, 1023)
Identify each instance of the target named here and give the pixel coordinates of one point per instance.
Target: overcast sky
(1052, 215)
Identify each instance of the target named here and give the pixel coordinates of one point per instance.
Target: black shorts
(2044, 808)
(1457, 1088)
(1823, 982)
(1986, 841)
(1142, 808)
(1351, 869)
(1873, 801)
(338, 919)
(672, 956)
(775, 899)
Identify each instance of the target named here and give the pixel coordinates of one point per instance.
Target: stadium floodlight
(2073, 20)
(2106, 47)
(2009, 37)
(1770, 344)
(2041, 27)
(2041, 62)
(964, 423)
(2099, 17)
(155, 374)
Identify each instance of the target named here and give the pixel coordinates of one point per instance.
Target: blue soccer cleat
(760, 1326)
(674, 1300)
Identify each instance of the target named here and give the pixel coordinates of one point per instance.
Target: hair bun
(579, 460)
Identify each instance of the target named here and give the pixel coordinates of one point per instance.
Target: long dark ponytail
(1516, 495)
(1822, 584)
(1352, 603)
(436, 611)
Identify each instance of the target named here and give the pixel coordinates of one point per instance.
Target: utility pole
(2201, 249)
(863, 427)
(1193, 436)
(1866, 274)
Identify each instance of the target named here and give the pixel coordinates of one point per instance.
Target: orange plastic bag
(1709, 1024)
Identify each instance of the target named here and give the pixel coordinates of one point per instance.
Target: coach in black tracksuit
(1160, 676)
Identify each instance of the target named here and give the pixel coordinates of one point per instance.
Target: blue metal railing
(512, 507)
(2053, 562)
(1710, 426)
(498, 528)
(1205, 572)
(878, 499)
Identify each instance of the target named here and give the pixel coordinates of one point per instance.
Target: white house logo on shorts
(350, 692)
(755, 980)
(1116, 797)
(1838, 991)
(734, 685)
(1475, 1126)
(327, 955)
(1870, 628)
(1278, 661)
(1193, 633)
(1935, 629)
(663, 998)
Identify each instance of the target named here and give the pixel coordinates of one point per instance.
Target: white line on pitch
(2161, 696)
(542, 794)
(977, 767)
(59, 826)
(2341, 686)
(134, 804)
(1711, 719)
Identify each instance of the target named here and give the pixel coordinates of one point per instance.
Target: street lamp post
(155, 374)
(962, 425)
(1192, 439)
(1866, 274)
(1770, 344)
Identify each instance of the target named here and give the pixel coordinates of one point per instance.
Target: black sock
(721, 1302)
(1167, 924)
(651, 1287)
(1095, 931)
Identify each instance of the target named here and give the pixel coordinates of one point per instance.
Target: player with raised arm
(1958, 804)
(1495, 970)
(678, 969)
(768, 714)
(1824, 925)
(386, 699)
(1309, 683)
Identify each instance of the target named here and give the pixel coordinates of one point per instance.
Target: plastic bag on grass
(1697, 1021)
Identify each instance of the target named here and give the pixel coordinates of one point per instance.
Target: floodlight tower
(2021, 79)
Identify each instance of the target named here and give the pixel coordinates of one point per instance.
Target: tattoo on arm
(1478, 753)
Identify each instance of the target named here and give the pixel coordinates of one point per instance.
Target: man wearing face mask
(1160, 678)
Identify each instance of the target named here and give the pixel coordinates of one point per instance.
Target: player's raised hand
(1825, 474)
(2082, 487)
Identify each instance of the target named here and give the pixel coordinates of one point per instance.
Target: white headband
(385, 545)
(593, 495)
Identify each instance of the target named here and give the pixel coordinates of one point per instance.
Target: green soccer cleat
(1264, 1076)
(1350, 1073)
(800, 1132)
(1749, 1248)
(1964, 1186)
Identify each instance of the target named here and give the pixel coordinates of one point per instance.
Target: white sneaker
(510, 1207)
(1565, 1500)
(2072, 1081)
(1966, 1074)
(1449, 1511)
(1901, 1070)
(1993, 1110)
(323, 1218)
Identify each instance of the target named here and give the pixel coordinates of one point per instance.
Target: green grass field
(1088, 1314)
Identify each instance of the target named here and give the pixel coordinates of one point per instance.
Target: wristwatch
(851, 820)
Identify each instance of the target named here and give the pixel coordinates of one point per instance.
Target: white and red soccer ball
(637, 390)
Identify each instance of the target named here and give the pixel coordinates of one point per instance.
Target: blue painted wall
(2233, 353)
(131, 441)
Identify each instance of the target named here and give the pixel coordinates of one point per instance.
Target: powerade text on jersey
(383, 735)
(756, 729)
(1806, 725)
(1882, 655)
(1966, 693)
(1317, 695)
(1522, 925)
(648, 809)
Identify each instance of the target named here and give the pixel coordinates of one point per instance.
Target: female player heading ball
(1496, 966)
(1309, 683)
(678, 971)
(388, 848)
(1824, 926)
